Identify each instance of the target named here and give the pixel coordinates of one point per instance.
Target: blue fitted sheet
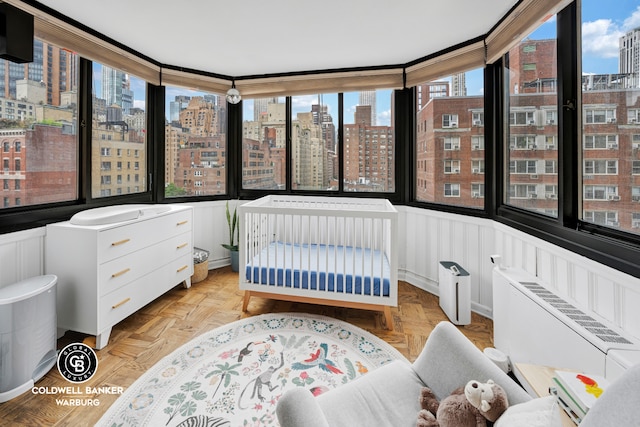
(321, 267)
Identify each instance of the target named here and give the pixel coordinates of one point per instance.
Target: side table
(536, 379)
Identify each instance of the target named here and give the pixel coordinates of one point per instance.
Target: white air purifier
(27, 334)
(455, 292)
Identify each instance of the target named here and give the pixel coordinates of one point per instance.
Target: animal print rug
(234, 375)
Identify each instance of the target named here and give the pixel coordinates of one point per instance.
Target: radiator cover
(532, 324)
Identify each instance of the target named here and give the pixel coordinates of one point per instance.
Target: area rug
(234, 375)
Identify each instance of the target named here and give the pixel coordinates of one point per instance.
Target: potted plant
(234, 234)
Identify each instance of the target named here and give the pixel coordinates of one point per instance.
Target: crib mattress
(321, 267)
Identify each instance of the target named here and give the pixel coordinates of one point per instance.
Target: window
(477, 118)
(369, 142)
(119, 125)
(633, 116)
(450, 141)
(522, 118)
(195, 142)
(600, 167)
(610, 88)
(600, 192)
(477, 190)
(531, 104)
(523, 166)
(313, 135)
(608, 218)
(452, 166)
(522, 142)
(30, 140)
(264, 148)
(452, 190)
(599, 115)
(477, 166)
(551, 116)
(449, 120)
(477, 142)
(601, 142)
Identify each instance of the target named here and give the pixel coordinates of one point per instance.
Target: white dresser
(107, 270)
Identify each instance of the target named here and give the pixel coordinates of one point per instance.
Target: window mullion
(569, 118)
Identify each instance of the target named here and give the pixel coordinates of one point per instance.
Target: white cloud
(633, 21)
(304, 102)
(138, 103)
(384, 118)
(600, 38)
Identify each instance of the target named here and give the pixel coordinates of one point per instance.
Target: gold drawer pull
(184, 267)
(120, 273)
(120, 242)
(182, 246)
(182, 222)
(123, 302)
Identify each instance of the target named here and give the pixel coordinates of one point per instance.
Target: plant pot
(235, 255)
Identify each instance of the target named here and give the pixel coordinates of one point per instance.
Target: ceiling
(255, 37)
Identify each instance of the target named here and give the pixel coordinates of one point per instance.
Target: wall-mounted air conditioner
(551, 122)
(477, 122)
(551, 196)
(475, 170)
(453, 125)
(613, 197)
(534, 176)
(531, 146)
(550, 146)
(611, 120)
(612, 146)
(532, 122)
(533, 195)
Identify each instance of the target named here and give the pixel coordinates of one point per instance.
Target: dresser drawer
(120, 271)
(118, 241)
(122, 302)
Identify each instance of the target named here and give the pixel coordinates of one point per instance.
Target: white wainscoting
(425, 238)
(428, 237)
(601, 291)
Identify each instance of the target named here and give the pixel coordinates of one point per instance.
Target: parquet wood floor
(142, 339)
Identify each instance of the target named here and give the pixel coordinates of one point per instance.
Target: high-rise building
(261, 106)
(368, 97)
(427, 91)
(459, 85)
(179, 103)
(629, 63)
(115, 88)
(368, 154)
(61, 72)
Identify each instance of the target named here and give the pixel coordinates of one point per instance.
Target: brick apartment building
(39, 165)
(450, 143)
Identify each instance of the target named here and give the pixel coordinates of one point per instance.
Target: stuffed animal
(468, 406)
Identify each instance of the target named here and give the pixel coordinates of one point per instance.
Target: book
(566, 408)
(579, 391)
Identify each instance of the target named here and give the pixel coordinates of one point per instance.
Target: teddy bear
(469, 406)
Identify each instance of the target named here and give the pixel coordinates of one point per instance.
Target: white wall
(425, 238)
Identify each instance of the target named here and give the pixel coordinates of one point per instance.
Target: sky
(602, 25)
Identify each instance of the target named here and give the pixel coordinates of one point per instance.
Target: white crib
(327, 250)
